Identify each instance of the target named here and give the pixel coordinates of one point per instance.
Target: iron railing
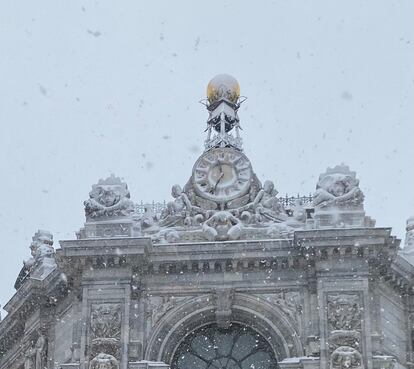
(287, 201)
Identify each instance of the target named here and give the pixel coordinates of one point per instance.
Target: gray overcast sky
(90, 88)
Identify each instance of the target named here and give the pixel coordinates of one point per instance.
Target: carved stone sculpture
(344, 313)
(346, 357)
(109, 198)
(148, 219)
(104, 361)
(408, 251)
(222, 226)
(264, 207)
(40, 248)
(35, 354)
(105, 328)
(338, 187)
(43, 253)
(180, 211)
(40, 349)
(409, 237)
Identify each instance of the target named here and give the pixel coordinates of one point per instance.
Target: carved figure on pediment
(338, 187)
(42, 252)
(346, 357)
(409, 236)
(222, 226)
(109, 198)
(104, 361)
(344, 312)
(180, 211)
(264, 207)
(40, 248)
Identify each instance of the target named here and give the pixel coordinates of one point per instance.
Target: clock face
(222, 174)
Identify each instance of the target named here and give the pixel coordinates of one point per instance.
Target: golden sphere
(223, 86)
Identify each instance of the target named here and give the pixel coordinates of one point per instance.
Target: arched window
(236, 347)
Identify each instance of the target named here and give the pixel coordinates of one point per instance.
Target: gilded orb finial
(223, 86)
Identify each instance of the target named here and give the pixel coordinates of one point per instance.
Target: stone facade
(317, 284)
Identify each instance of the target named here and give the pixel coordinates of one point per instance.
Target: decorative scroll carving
(109, 198)
(346, 357)
(104, 361)
(105, 328)
(338, 186)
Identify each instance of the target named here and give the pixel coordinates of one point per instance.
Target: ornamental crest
(109, 198)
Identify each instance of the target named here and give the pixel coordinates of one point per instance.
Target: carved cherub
(222, 226)
(180, 211)
(265, 206)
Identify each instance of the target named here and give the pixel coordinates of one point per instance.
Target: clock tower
(223, 177)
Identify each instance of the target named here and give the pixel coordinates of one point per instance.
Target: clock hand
(219, 179)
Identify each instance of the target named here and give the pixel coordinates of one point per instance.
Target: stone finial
(109, 198)
(338, 187)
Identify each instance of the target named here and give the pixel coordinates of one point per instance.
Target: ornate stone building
(226, 275)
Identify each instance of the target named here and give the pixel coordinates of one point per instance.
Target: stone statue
(109, 198)
(338, 187)
(28, 358)
(40, 248)
(40, 349)
(265, 206)
(180, 211)
(408, 250)
(221, 226)
(345, 357)
(104, 361)
(35, 355)
(409, 237)
(43, 255)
